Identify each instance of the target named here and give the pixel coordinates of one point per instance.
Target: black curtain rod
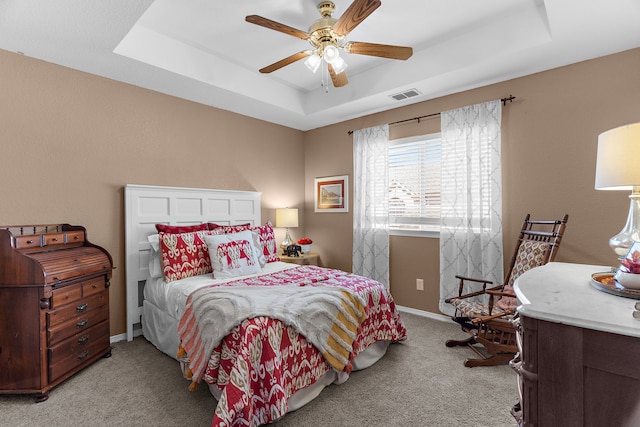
(509, 98)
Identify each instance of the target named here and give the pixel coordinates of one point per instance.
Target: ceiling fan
(327, 36)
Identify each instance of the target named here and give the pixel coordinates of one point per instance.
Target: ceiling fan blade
(338, 80)
(381, 50)
(354, 15)
(273, 25)
(286, 61)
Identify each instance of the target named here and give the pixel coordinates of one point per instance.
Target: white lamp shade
(286, 217)
(618, 161)
(331, 54)
(339, 65)
(313, 62)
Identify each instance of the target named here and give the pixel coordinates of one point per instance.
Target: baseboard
(116, 338)
(435, 316)
(123, 337)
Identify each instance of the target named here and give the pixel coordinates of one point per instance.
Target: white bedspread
(328, 316)
(172, 297)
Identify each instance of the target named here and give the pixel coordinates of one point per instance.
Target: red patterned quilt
(262, 361)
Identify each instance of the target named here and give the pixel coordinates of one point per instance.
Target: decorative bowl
(627, 280)
(306, 249)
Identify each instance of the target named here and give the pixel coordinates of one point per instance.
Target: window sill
(415, 233)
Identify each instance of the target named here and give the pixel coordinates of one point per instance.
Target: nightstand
(304, 259)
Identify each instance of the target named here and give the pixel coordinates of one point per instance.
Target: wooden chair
(485, 313)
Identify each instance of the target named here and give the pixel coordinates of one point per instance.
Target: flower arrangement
(631, 264)
(305, 241)
(628, 275)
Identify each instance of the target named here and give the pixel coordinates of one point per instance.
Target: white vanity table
(580, 350)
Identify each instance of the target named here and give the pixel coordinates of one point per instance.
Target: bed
(265, 336)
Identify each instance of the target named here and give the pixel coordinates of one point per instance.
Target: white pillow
(155, 257)
(233, 255)
(262, 260)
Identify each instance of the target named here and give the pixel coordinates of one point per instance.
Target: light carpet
(419, 382)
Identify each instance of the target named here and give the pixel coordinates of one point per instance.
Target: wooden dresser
(54, 306)
(580, 350)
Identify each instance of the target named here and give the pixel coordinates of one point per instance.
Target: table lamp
(618, 168)
(286, 218)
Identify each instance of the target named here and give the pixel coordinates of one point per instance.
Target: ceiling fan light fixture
(339, 65)
(327, 36)
(331, 54)
(313, 62)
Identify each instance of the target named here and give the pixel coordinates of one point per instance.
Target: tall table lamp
(286, 218)
(618, 168)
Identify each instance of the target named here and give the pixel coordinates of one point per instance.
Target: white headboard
(145, 206)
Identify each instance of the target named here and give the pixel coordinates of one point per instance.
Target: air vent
(406, 94)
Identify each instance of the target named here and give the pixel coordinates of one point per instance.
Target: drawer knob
(44, 303)
(29, 242)
(83, 339)
(82, 308)
(83, 355)
(82, 324)
(55, 239)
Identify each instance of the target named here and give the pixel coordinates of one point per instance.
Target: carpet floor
(419, 382)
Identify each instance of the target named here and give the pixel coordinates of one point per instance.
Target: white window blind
(414, 184)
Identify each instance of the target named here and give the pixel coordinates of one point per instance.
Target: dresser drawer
(78, 323)
(28, 241)
(52, 239)
(66, 295)
(93, 286)
(74, 237)
(94, 348)
(80, 308)
(71, 293)
(80, 341)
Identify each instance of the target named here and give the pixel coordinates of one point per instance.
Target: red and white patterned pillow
(226, 229)
(176, 229)
(184, 255)
(267, 241)
(233, 254)
(266, 237)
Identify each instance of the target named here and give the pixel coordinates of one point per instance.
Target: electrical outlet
(420, 284)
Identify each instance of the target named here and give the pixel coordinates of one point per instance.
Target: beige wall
(549, 138)
(70, 141)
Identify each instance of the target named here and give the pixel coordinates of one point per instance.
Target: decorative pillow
(257, 248)
(267, 241)
(226, 229)
(155, 258)
(176, 229)
(233, 255)
(184, 255)
(530, 254)
(213, 226)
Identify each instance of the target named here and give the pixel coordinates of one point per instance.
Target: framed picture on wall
(332, 194)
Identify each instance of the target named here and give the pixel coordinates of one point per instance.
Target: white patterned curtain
(371, 203)
(471, 197)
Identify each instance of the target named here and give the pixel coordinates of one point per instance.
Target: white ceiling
(204, 51)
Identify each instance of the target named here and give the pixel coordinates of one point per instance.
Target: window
(414, 185)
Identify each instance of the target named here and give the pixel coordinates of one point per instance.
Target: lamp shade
(286, 217)
(330, 54)
(313, 62)
(618, 161)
